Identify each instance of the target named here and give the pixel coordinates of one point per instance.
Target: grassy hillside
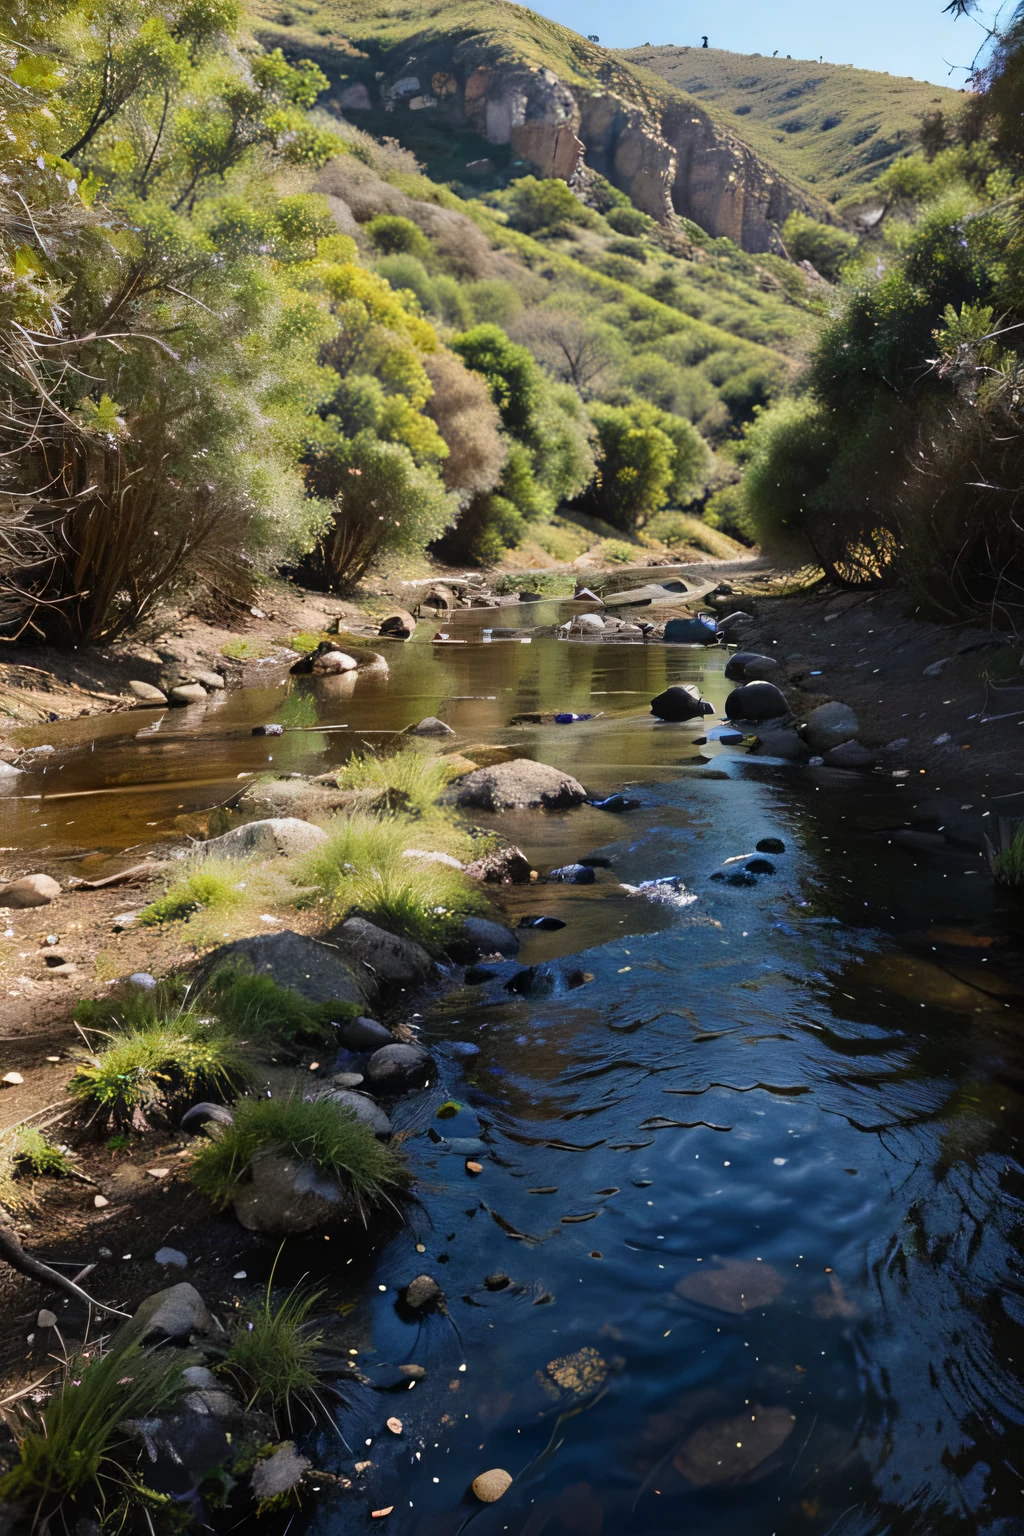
(830, 125)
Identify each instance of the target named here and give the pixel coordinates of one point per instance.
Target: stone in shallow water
(737, 1286)
(730, 1450)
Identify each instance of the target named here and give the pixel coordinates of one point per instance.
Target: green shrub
(535, 205)
(629, 221)
(272, 1358)
(393, 235)
(150, 1069)
(645, 457)
(316, 1131)
(24, 1148)
(361, 868)
(683, 528)
(256, 1008)
(823, 245)
(411, 779)
(1006, 855)
(204, 889)
(81, 1450)
(619, 553)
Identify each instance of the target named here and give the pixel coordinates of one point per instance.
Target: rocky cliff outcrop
(658, 146)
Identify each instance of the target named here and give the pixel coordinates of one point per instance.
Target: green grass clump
(621, 553)
(247, 650)
(1006, 861)
(273, 1351)
(362, 868)
(412, 779)
(546, 583)
(202, 890)
(305, 642)
(318, 1132)
(683, 528)
(257, 1008)
(298, 710)
(142, 1070)
(23, 1148)
(78, 1453)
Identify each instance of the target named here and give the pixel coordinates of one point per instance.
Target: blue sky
(911, 37)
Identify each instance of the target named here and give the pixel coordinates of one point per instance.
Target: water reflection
(762, 1170)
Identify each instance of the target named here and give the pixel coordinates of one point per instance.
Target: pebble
(472, 1167)
(490, 1486)
(423, 1292)
(143, 980)
(395, 1426)
(171, 1256)
(99, 1201)
(158, 1173)
(240, 1274)
(12, 1079)
(268, 730)
(46, 1319)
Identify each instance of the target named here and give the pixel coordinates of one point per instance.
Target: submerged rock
(516, 786)
(850, 754)
(736, 1449)
(690, 632)
(490, 1486)
(423, 1294)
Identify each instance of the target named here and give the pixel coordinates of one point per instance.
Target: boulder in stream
(394, 1068)
(520, 785)
(276, 836)
(483, 936)
(829, 726)
(283, 1197)
(146, 695)
(333, 663)
(680, 702)
(750, 667)
(384, 959)
(504, 866)
(398, 625)
(690, 632)
(756, 701)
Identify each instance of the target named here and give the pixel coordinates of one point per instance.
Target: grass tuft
(257, 1008)
(200, 891)
(362, 868)
(272, 1354)
(318, 1132)
(298, 710)
(1006, 862)
(247, 650)
(412, 778)
(78, 1448)
(24, 1149)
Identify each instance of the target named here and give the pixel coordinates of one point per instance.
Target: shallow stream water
(756, 1183)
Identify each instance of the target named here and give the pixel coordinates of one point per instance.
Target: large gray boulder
(774, 739)
(520, 785)
(829, 726)
(29, 891)
(750, 667)
(850, 754)
(283, 1197)
(314, 969)
(756, 701)
(364, 1034)
(380, 958)
(176, 1314)
(333, 663)
(276, 836)
(483, 936)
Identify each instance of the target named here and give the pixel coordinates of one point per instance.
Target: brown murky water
(757, 1182)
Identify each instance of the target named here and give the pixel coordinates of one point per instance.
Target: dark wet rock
(383, 958)
(283, 1197)
(533, 981)
(202, 1115)
(690, 632)
(850, 754)
(482, 936)
(364, 1034)
(29, 891)
(430, 726)
(770, 845)
(316, 970)
(505, 866)
(185, 694)
(423, 1294)
(277, 835)
(578, 978)
(479, 975)
(396, 1067)
(175, 1314)
(268, 730)
(829, 726)
(499, 1281)
(680, 702)
(399, 624)
(277, 1474)
(572, 874)
(530, 597)
(518, 785)
(756, 701)
(749, 667)
(783, 741)
(734, 621)
(545, 923)
(759, 867)
(362, 1107)
(735, 1285)
(615, 803)
(734, 877)
(595, 861)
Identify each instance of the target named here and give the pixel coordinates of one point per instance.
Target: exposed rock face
(531, 110)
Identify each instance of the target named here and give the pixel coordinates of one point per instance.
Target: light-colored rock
(176, 1313)
(142, 980)
(29, 891)
(187, 693)
(383, 959)
(46, 1319)
(200, 1377)
(278, 1473)
(829, 726)
(283, 836)
(8, 771)
(214, 1403)
(362, 1107)
(518, 785)
(146, 694)
(430, 726)
(173, 1256)
(587, 623)
(213, 682)
(331, 663)
(490, 1486)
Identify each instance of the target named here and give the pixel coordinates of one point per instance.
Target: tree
(469, 423)
(823, 245)
(645, 459)
(569, 347)
(544, 205)
(512, 376)
(379, 503)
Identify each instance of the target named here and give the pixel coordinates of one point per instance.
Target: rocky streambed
(713, 1122)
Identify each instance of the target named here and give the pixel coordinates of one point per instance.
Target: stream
(756, 1183)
